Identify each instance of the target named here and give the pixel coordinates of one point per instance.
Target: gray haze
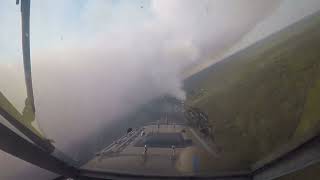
(83, 82)
(83, 86)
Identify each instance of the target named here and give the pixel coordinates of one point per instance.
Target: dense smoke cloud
(104, 66)
(81, 90)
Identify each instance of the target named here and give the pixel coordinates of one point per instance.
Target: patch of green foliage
(311, 172)
(309, 122)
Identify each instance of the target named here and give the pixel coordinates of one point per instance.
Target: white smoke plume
(83, 81)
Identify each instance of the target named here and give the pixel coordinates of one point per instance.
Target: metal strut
(40, 141)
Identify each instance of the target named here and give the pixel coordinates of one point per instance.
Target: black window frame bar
(13, 144)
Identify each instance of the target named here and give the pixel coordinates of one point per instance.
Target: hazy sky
(288, 12)
(95, 61)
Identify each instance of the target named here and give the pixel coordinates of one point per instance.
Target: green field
(310, 172)
(264, 96)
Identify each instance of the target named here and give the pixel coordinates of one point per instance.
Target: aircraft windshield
(159, 86)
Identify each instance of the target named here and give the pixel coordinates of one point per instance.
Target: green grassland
(311, 172)
(264, 96)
